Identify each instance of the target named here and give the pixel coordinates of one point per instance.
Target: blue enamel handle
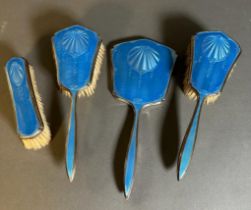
(188, 143)
(131, 155)
(71, 141)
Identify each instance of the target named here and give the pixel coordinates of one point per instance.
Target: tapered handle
(71, 141)
(130, 161)
(188, 143)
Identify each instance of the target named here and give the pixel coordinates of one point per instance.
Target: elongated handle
(131, 155)
(71, 141)
(188, 143)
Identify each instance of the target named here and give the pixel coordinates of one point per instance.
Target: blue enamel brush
(213, 55)
(142, 70)
(32, 126)
(78, 54)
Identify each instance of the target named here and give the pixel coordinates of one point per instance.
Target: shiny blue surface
(214, 54)
(27, 118)
(71, 144)
(75, 50)
(132, 152)
(142, 70)
(146, 81)
(190, 141)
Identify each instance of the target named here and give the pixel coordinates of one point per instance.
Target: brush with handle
(142, 70)
(78, 53)
(211, 60)
(32, 126)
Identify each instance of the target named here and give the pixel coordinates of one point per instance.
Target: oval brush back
(28, 118)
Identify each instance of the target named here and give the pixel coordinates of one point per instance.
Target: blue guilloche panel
(142, 70)
(28, 121)
(75, 50)
(214, 54)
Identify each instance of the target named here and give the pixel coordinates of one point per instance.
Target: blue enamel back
(214, 54)
(75, 49)
(142, 70)
(27, 117)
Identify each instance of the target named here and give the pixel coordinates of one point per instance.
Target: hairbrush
(142, 70)
(212, 58)
(32, 126)
(78, 53)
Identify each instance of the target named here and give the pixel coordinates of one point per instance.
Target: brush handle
(130, 161)
(71, 140)
(188, 143)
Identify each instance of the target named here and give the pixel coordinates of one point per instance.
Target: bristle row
(89, 90)
(188, 89)
(43, 138)
(191, 93)
(39, 141)
(231, 71)
(65, 91)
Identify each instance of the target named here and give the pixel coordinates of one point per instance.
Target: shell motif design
(216, 48)
(16, 74)
(143, 59)
(75, 42)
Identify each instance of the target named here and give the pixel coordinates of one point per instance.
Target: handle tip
(70, 171)
(181, 173)
(71, 174)
(127, 192)
(183, 164)
(130, 169)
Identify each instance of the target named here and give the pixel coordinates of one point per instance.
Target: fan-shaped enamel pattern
(216, 47)
(143, 58)
(138, 79)
(75, 42)
(77, 52)
(16, 74)
(142, 70)
(74, 64)
(27, 117)
(213, 56)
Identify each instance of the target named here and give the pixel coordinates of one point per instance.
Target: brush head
(142, 70)
(78, 53)
(210, 62)
(32, 126)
